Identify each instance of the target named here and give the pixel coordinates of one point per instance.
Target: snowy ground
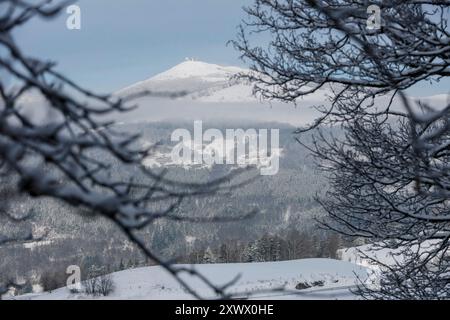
(154, 283)
(365, 255)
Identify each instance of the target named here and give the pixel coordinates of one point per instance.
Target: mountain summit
(191, 69)
(200, 80)
(211, 93)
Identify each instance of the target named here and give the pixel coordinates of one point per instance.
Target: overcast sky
(124, 41)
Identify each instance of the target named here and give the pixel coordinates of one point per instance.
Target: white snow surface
(155, 283)
(207, 83)
(366, 255)
(191, 68)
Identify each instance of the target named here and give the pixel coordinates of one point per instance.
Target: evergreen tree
(224, 254)
(252, 253)
(275, 248)
(209, 256)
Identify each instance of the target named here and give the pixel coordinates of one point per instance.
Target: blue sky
(121, 42)
(125, 41)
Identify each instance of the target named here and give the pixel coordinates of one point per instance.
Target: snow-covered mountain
(192, 68)
(212, 92)
(201, 81)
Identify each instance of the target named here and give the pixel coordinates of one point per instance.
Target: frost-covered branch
(388, 170)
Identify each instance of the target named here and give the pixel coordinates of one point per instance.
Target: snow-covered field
(338, 278)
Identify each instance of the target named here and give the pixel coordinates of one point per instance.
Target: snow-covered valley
(328, 278)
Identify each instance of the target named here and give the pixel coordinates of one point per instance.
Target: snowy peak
(203, 82)
(190, 69)
(200, 80)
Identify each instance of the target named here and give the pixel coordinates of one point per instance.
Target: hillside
(154, 283)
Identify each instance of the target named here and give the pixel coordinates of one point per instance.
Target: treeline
(291, 245)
